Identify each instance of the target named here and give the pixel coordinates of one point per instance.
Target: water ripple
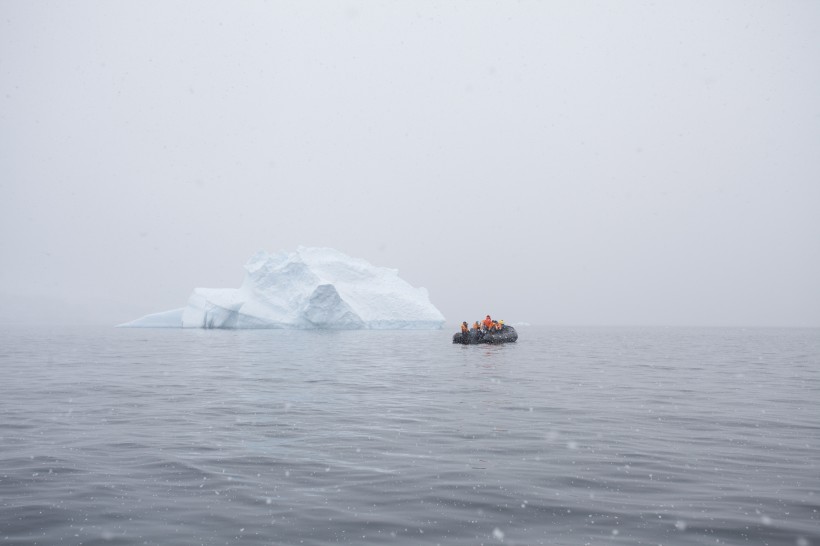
(571, 436)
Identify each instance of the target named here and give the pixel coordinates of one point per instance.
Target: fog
(612, 163)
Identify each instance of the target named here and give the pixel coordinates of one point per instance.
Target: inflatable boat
(506, 335)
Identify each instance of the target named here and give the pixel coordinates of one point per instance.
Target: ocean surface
(570, 436)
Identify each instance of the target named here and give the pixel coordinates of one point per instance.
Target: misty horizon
(549, 163)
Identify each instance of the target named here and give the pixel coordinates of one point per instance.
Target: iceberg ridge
(311, 288)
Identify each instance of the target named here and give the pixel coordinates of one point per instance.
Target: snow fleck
(680, 525)
(498, 534)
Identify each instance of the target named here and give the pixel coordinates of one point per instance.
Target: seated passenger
(464, 328)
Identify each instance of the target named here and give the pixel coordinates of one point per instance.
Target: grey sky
(549, 162)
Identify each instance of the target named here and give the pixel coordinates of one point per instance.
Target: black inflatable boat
(506, 335)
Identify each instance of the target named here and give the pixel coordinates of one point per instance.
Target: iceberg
(311, 288)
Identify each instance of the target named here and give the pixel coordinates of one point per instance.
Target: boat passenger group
(485, 326)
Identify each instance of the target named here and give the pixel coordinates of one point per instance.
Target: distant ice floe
(311, 288)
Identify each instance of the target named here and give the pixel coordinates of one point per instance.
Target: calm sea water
(570, 436)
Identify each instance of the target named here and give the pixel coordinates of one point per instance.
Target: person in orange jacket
(488, 323)
(464, 328)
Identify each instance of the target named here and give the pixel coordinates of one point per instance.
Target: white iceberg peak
(308, 288)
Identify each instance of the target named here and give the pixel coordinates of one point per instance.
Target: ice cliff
(309, 288)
